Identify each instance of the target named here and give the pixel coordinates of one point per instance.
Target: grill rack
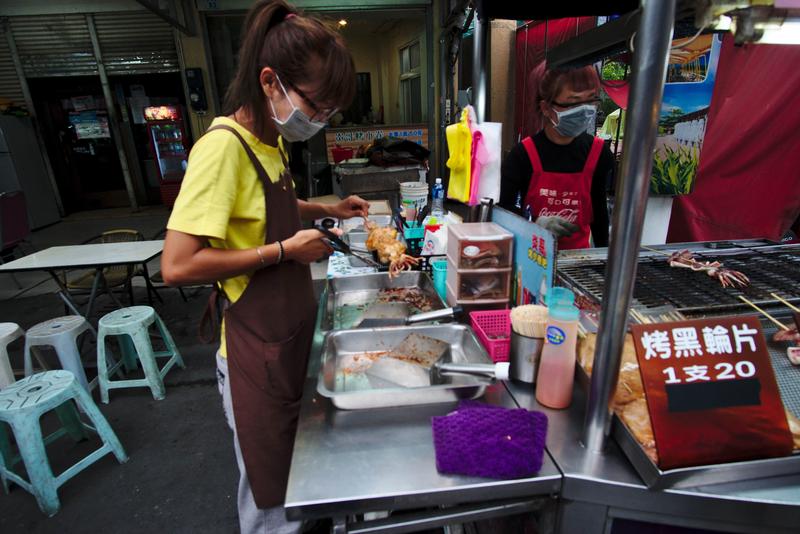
(771, 270)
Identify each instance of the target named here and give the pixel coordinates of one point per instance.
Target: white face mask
(297, 126)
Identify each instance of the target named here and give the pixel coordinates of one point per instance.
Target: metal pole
(26, 94)
(651, 55)
(444, 103)
(480, 68)
(113, 120)
(431, 92)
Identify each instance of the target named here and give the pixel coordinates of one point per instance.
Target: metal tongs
(339, 245)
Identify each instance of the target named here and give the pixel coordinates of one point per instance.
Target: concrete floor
(182, 474)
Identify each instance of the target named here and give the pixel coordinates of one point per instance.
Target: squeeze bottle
(557, 362)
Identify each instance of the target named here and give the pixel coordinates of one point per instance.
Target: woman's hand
(352, 206)
(307, 246)
(558, 226)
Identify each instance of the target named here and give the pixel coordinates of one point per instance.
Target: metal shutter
(54, 45)
(10, 88)
(136, 42)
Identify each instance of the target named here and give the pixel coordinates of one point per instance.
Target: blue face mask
(574, 121)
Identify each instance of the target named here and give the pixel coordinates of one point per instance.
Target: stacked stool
(62, 334)
(132, 326)
(21, 406)
(8, 333)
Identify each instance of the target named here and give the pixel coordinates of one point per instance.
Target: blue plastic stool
(132, 325)
(21, 406)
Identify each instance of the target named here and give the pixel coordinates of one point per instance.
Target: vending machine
(169, 148)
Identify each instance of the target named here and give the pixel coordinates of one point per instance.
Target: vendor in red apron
(558, 177)
(236, 223)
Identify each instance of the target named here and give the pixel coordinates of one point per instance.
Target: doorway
(80, 142)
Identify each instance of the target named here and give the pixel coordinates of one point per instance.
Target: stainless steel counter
(348, 462)
(598, 487)
(352, 462)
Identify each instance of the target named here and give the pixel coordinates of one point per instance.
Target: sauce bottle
(557, 363)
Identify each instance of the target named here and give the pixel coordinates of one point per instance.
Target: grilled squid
(727, 277)
(383, 240)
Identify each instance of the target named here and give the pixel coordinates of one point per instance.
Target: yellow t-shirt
(222, 197)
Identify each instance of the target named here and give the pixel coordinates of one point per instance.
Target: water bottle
(437, 199)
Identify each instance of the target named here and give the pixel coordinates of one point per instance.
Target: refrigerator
(22, 168)
(169, 148)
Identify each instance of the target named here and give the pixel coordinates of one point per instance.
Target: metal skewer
(656, 251)
(768, 316)
(786, 302)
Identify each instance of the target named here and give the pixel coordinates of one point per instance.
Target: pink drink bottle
(557, 363)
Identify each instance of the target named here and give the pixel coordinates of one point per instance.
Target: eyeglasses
(592, 102)
(322, 115)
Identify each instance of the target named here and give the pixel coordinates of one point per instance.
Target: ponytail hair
(300, 49)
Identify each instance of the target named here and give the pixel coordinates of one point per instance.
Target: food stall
(373, 465)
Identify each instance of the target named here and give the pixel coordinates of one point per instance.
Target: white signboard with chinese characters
(711, 391)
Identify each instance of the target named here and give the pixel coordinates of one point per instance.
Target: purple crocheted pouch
(489, 441)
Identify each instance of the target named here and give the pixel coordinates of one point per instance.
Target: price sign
(711, 391)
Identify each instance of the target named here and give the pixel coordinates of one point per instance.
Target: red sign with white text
(711, 391)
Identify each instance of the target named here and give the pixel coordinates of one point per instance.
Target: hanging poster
(682, 124)
(90, 124)
(364, 135)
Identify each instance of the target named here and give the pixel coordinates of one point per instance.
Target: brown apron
(268, 334)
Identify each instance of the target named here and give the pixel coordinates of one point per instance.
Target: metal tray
(357, 239)
(788, 377)
(703, 475)
(353, 391)
(349, 296)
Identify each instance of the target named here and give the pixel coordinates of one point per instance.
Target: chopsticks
(768, 316)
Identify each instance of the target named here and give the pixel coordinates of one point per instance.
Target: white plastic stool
(62, 334)
(8, 333)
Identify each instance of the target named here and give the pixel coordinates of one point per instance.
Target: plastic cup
(439, 268)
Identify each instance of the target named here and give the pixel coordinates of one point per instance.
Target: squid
(383, 240)
(727, 277)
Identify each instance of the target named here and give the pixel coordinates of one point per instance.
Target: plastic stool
(62, 334)
(21, 406)
(132, 325)
(8, 333)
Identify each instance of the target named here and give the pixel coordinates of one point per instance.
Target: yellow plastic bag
(459, 143)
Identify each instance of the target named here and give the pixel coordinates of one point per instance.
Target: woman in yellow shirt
(237, 222)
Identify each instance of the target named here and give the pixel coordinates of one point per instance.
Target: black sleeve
(603, 174)
(515, 175)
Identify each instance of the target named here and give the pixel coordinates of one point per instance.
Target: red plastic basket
(493, 328)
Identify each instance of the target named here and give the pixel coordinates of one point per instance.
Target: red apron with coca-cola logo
(563, 194)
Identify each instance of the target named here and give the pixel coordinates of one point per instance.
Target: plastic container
(414, 235)
(340, 154)
(437, 199)
(486, 284)
(479, 246)
(439, 268)
(413, 197)
(493, 329)
(470, 306)
(557, 363)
